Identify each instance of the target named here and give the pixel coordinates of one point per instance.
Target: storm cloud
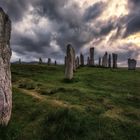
(42, 28)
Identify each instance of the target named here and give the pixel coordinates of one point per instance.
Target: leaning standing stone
(69, 63)
(5, 73)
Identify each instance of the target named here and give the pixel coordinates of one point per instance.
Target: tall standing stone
(19, 61)
(74, 63)
(69, 62)
(115, 57)
(77, 62)
(99, 61)
(105, 60)
(81, 59)
(109, 61)
(5, 73)
(88, 61)
(132, 64)
(49, 61)
(91, 56)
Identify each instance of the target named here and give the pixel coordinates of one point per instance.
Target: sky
(43, 28)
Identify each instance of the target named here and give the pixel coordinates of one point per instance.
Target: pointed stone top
(6, 17)
(106, 53)
(69, 45)
(1, 9)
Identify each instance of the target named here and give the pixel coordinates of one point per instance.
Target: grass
(98, 104)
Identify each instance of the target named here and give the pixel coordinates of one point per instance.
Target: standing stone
(49, 61)
(88, 61)
(74, 63)
(55, 62)
(77, 62)
(5, 72)
(19, 61)
(91, 56)
(115, 57)
(132, 64)
(109, 61)
(81, 59)
(40, 60)
(99, 61)
(69, 62)
(105, 60)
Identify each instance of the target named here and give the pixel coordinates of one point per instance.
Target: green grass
(98, 104)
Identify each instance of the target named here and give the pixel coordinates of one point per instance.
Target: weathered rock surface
(91, 61)
(5, 73)
(69, 62)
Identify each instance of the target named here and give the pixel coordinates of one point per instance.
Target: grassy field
(98, 104)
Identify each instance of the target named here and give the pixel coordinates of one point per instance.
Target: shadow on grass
(74, 80)
(45, 91)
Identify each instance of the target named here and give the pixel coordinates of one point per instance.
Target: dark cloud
(94, 11)
(133, 26)
(133, 18)
(15, 8)
(67, 22)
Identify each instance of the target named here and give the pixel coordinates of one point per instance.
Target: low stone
(132, 64)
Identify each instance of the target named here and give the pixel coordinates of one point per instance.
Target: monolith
(105, 60)
(132, 64)
(55, 62)
(69, 62)
(74, 63)
(109, 61)
(49, 61)
(114, 57)
(81, 59)
(19, 61)
(91, 61)
(77, 62)
(40, 60)
(88, 61)
(5, 73)
(99, 61)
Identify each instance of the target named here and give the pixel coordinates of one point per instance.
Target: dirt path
(53, 102)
